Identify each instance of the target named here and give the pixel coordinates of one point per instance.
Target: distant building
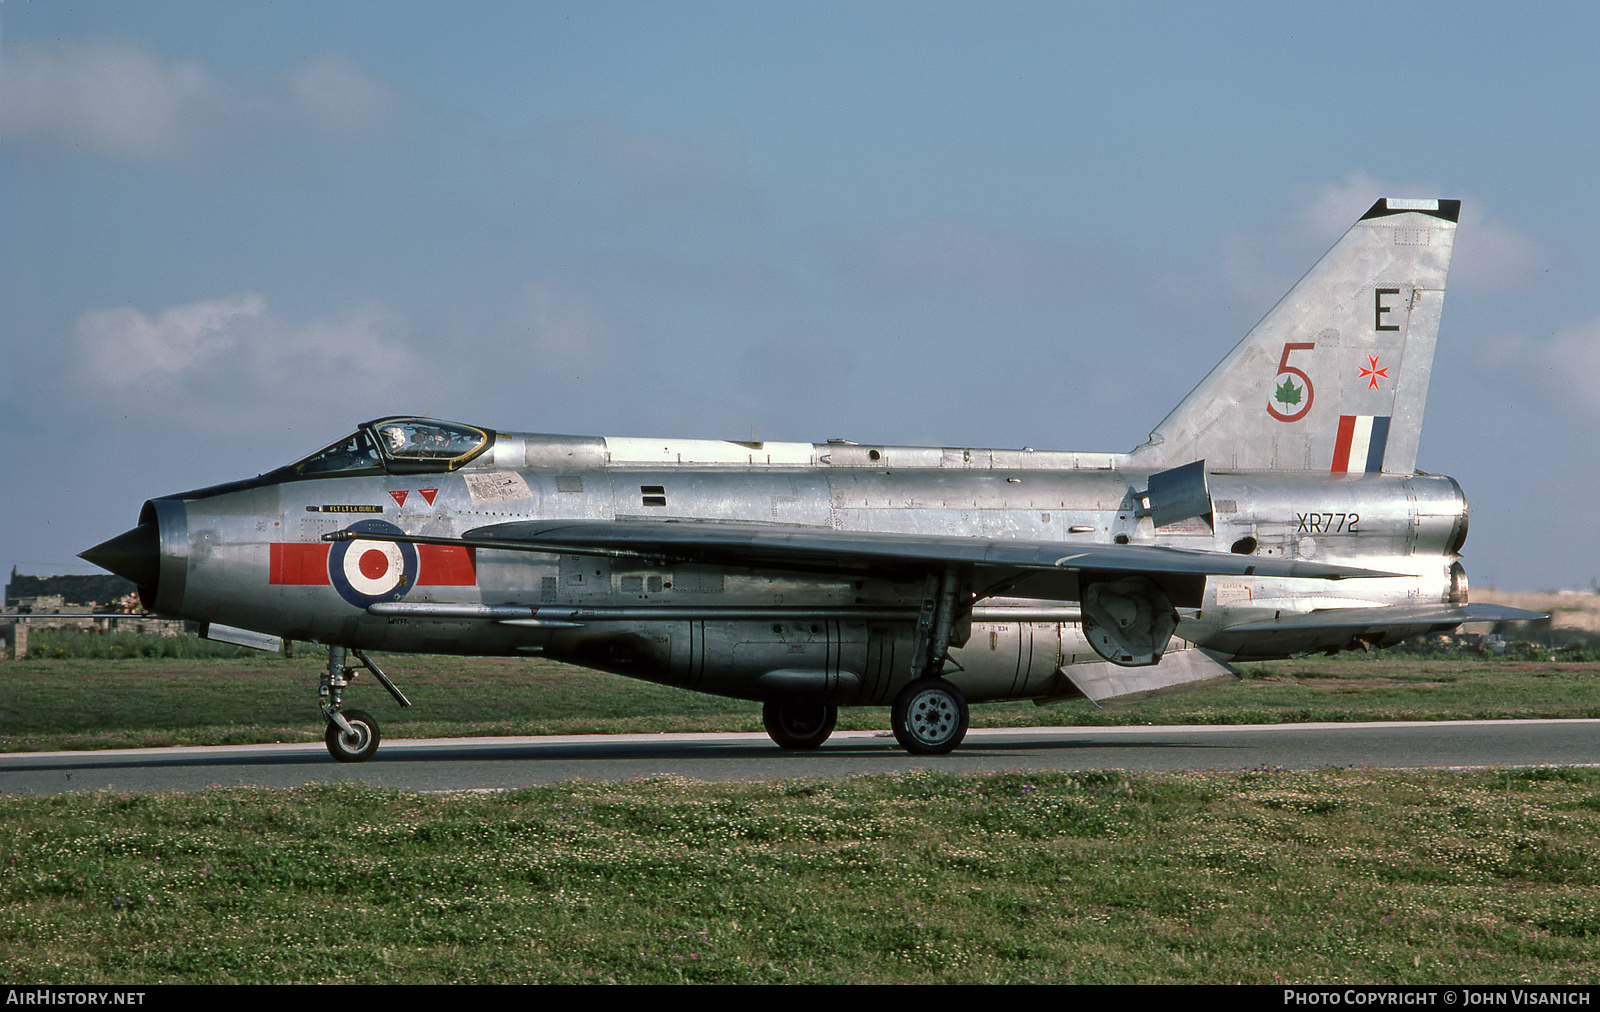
(97, 593)
(107, 603)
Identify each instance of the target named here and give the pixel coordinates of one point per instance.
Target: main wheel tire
(798, 723)
(357, 748)
(929, 717)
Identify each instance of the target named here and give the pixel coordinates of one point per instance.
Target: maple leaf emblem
(1287, 392)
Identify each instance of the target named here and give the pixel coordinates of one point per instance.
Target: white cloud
(1560, 374)
(231, 362)
(106, 96)
(339, 96)
(1269, 256)
(1489, 255)
(118, 99)
(1330, 209)
(124, 347)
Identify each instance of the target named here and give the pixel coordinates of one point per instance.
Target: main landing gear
(798, 723)
(929, 716)
(352, 735)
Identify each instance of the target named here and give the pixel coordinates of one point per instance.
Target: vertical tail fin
(1335, 377)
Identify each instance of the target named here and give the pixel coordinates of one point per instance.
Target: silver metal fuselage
(249, 557)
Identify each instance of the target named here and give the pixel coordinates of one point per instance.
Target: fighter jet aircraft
(1276, 510)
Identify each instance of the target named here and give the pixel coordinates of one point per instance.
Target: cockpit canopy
(399, 446)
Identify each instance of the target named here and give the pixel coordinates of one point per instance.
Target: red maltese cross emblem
(1371, 372)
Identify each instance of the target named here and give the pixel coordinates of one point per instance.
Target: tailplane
(1335, 377)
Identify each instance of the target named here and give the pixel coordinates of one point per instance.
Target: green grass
(1263, 876)
(1260, 877)
(88, 703)
(58, 644)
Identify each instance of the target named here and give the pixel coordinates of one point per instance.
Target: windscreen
(354, 452)
(399, 446)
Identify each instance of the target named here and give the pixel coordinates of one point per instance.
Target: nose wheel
(352, 735)
(357, 744)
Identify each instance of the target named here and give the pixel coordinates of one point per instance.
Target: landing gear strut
(930, 714)
(352, 735)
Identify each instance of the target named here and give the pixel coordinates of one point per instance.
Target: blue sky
(229, 232)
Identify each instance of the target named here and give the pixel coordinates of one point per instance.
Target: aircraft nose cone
(133, 555)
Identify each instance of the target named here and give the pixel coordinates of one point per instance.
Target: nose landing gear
(352, 735)
(356, 745)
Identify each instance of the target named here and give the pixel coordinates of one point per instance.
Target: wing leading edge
(1022, 568)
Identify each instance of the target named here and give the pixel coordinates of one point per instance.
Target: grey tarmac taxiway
(498, 763)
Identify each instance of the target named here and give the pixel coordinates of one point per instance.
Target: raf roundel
(366, 572)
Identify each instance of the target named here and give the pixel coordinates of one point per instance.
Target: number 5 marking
(1284, 368)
